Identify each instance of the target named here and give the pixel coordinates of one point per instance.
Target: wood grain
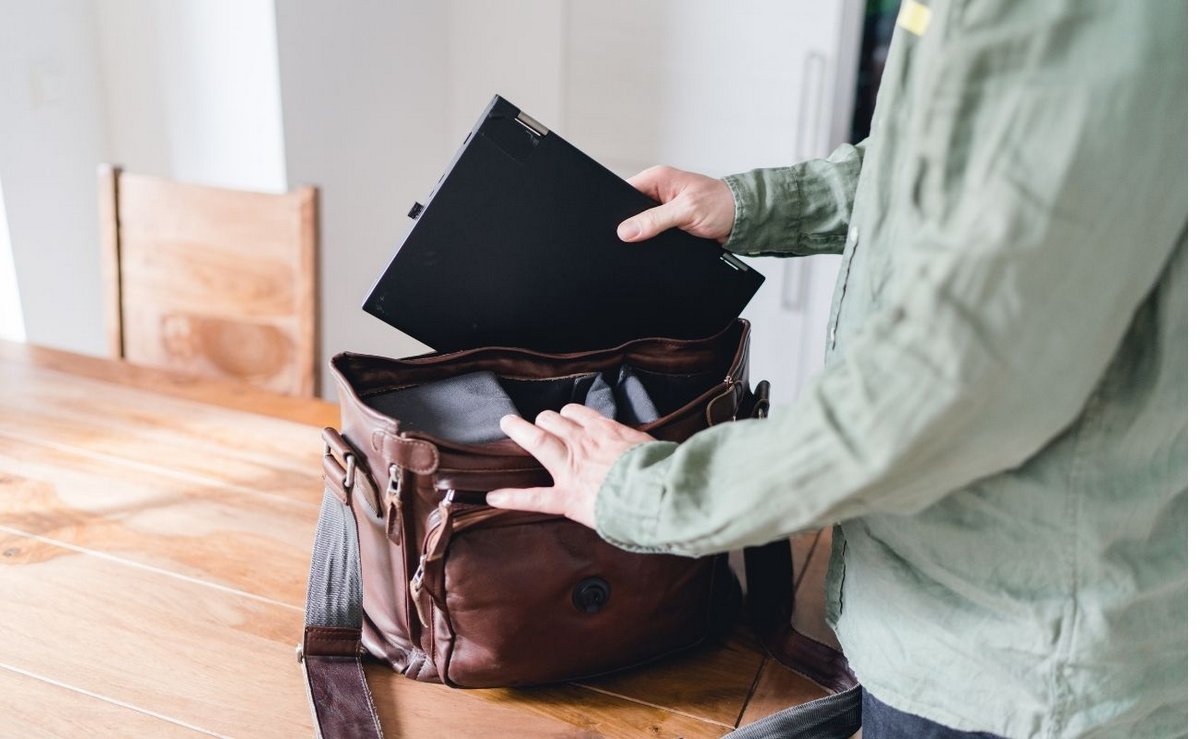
(777, 686)
(594, 714)
(212, 281)
(712, 682)
(808, 617)
(24, 362)
(190, 441)
(202, 531)
(218, 660)
(197, 654)
(45, 710)
(153, 553)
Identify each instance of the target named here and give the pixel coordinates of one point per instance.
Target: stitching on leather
(708, 409)
(419, 446)
(331, 630)
(362, 681)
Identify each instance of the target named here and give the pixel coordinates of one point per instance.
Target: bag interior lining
(467, 408)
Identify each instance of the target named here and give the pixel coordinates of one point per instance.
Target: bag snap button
(591, 594)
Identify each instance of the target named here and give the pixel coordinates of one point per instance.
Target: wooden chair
(211, 281)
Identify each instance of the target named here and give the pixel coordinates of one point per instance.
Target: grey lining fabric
(467, 409)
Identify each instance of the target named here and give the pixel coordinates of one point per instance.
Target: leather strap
(331, 653)
(771, 600)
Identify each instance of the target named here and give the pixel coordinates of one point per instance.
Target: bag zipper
(444, 522)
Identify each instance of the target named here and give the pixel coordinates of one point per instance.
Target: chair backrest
(211, 281)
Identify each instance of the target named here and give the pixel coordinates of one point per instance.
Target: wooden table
(154, 545)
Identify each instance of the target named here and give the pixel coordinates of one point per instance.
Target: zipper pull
(439, 537)
(415, 585)
(393, 503)
(436, 539)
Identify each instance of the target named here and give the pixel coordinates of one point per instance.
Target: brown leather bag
(412, 567)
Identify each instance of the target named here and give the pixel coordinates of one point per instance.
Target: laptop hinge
(528, 122)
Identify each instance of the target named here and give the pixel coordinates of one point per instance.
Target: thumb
(652, 222)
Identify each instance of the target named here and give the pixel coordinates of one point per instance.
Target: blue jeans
(881, 721)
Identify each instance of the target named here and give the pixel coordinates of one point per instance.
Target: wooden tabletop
(154, 543)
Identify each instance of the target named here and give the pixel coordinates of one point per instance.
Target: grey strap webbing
(332, 652)
(833, 717)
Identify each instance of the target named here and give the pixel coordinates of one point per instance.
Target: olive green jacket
(1000, 432)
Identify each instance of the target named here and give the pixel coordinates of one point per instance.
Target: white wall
(192, 90)
(364, 115)
(515, 49)
(12, 322)
(51, 137)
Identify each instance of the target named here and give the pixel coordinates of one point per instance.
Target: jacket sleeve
(797, 210)
(1034, 248)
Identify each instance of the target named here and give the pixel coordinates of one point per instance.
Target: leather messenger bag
(412, 567)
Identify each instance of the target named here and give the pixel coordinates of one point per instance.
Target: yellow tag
(913, 17)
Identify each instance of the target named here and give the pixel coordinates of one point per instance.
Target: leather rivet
(591, 594)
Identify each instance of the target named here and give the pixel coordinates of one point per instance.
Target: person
(999, 433)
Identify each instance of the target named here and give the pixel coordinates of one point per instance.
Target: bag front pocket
(571, 606)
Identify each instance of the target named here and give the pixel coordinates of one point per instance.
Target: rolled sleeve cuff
(797, 210)
(629, 503)
(765, 217)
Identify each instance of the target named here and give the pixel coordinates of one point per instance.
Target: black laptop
(518, 246)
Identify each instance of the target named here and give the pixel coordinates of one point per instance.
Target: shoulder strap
(771, 599)
(769, 595)
(331, 652)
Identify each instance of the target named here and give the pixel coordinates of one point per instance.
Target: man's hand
(578, 446)
(697, 204)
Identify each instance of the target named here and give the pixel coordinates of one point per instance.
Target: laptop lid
(517, 246)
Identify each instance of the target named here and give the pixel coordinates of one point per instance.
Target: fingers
(556, 424)
(657, 183)
(653, 182)
(582, 415)
(652, 222)
(539, 500)
(543, 445)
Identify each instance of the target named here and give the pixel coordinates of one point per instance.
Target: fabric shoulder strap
(331, 653)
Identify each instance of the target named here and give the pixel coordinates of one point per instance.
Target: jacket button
(591, 594)
(852, 236)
